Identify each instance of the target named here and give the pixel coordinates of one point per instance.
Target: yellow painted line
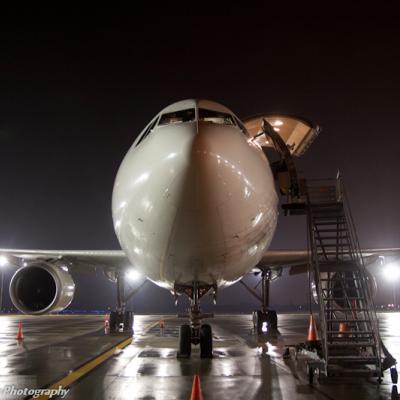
(75, 375)
(78, 373)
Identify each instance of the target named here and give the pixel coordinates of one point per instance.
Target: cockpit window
(216, 117)
(148, 129)
(178, 117)
(241, 126)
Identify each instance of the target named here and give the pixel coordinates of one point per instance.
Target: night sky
(77, 86)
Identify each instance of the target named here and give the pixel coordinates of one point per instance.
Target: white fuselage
(194, 201)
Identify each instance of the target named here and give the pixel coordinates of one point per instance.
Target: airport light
(264, 327)
(392, 272)
(3, 261)
(133, 275)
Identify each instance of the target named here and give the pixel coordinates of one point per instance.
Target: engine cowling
(42, 288)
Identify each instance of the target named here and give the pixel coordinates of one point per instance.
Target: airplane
(194, 207)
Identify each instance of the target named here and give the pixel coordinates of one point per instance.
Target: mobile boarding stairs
(350, 342)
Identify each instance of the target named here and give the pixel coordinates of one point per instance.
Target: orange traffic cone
(196, 389)
(312, 330)
(343, 328)
(20, 335)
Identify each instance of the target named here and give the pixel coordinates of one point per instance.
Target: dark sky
(77, 86)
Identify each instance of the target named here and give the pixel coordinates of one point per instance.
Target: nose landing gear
(196, 332)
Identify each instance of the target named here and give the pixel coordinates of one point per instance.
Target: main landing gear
(265, 321)
(195, 332)
(121, 320)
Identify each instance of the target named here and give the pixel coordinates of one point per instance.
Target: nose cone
(195, 202)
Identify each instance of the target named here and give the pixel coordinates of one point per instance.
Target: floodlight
(132, 275)
(392, 272)
(3, 261)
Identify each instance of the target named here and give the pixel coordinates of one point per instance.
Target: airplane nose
(227, 200)
(224, 169)
(194, 202)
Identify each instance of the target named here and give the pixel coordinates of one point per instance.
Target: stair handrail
(359, 258)
(315, 263)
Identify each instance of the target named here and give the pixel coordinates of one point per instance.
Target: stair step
(333, 279)
(327, 210)
(337, 221)
(332, 203)
(326, 205)
(335, 237)
(329, 223)
(347, 309)
(358, 344)
(321, 246)
(333, 212)
(334, 216)
(331, 230)
(333, 254)
(341, 298)
(348, 321)
(338, 268)
(366, 360)
(338, 279)
(321, 189)
(350, 333)
(320, 200)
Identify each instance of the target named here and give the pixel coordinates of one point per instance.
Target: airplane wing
(297, 260)
(77, 260)
(92, 260)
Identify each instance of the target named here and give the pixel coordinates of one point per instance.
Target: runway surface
(55, 346)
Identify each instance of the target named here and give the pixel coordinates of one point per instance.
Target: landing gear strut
(265, 321)
(196, 332)
(121, 320)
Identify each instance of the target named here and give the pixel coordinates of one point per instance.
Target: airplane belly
(195, 204)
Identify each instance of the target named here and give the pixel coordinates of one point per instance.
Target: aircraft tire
(206, 341)
(114, 320)
(128, 321)
(261, 318)
(185, 343)
(272, 318)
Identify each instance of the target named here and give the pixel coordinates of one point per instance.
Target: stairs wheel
(310, 375)
(394, 375)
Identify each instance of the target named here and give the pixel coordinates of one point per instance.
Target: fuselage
(194, 199)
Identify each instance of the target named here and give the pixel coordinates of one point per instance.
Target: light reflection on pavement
(149, 369)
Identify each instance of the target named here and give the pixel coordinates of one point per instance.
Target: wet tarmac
(148, 368)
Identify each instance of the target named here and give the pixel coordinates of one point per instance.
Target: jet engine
(42, 288)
